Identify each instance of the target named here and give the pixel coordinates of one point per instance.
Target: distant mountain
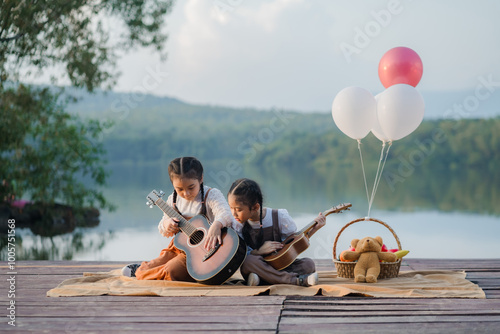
(480, 103)
(439, 104)
(134, 115)
(288, 145)
(108, 100)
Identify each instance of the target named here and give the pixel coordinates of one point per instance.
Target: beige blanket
(444, 284)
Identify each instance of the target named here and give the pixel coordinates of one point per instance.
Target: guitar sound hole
(196, 237)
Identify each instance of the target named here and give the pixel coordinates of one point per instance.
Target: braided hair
(248, 193)
(189, 168)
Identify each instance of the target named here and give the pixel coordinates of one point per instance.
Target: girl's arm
(321, 221)
(217, 205)
(167, 226)
(222, 217)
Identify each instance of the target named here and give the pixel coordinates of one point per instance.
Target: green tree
(45, 152)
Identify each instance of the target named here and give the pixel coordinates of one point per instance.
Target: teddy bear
(367, 252)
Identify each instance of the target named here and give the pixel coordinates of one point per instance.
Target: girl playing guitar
(190, 198)
(264, 230)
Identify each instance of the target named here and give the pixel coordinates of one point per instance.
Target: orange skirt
(169, 266)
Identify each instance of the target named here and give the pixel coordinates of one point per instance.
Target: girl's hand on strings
(214, 235)
(168, 227)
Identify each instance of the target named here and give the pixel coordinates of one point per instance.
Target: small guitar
(297, 242)
(207, 267)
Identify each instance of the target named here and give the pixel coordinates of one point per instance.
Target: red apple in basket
(341, 257)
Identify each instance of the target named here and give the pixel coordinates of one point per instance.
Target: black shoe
(308, 280)
(130, 269)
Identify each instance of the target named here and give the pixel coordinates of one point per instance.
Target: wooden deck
(259, 314)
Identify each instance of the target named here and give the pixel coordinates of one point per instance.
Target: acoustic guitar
(214, 266)
(298, 242)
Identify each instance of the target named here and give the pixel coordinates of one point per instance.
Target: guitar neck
(184, 225)
(311, 225)
(338, 208)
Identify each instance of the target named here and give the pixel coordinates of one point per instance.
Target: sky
(298, 54)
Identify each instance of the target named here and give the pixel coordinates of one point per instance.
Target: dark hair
(248, 193)
(189, 168)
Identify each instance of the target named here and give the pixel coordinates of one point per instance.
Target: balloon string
(363, 168)
(378, 176)
(383, 165)
(370, 201)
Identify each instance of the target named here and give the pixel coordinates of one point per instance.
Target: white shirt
(286, 223)
(217, 208)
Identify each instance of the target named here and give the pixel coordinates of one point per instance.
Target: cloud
(287, 53)
(268, 14)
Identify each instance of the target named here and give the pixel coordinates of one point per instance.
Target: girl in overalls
(190, 198)
(264, 230)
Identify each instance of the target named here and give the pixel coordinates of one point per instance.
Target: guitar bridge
(211, 252)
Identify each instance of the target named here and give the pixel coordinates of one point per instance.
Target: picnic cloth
(417, 284)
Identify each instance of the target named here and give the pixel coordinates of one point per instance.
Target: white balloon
(379, 133)
(354, 111)
(377, 130)
(400, 110)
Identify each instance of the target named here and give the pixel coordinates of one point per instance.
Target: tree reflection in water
(60, 247)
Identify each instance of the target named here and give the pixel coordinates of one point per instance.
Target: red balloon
(400, 65)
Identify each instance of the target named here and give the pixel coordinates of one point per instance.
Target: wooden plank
(395, 328)
(131, 328)
(121, 325)
(45, 263)
(64, 270)
(492, 294)
(227, 318)
(454, 264)
(93, 310)
(294, 319)
(257, 314)
(493, 282)
(151, 300)
(482, 274)
(393, 313)
(382, 302)
(476, 308)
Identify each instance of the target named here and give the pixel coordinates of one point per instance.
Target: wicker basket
(346, 269)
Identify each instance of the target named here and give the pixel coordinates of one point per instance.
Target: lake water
(445, 221)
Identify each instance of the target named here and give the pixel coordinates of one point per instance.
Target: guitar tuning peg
(151, 206)
(162, 193)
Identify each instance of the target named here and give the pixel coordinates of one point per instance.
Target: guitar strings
(188, 229)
